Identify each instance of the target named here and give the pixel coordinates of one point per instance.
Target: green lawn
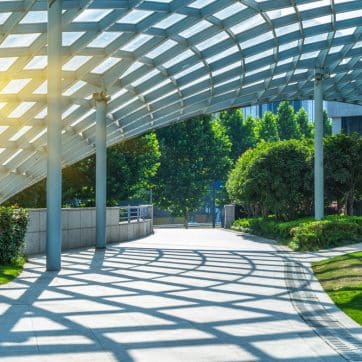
(341, 278)
(9, 272)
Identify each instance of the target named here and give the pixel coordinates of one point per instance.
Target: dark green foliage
(242, 133)
(303, 122)
(267, 128)
(326, 234)
(32, 197)
(306, 234)
(233, 123)
(275, 178)
(13, 224)
(343, 169)
(130, 167)
(269, 227)
(194, 153)
(287, 124)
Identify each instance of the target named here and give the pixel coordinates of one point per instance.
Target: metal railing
(135, 213)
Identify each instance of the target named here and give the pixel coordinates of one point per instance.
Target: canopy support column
(101, 100)
(54, 135)
(318, 146)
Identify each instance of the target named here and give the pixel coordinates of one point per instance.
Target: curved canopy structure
(162, 61)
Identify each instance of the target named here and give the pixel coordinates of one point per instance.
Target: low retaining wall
(79, 229)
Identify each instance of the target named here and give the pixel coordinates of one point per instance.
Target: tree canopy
(130, 168)
(304, 125)
(194, 154)
(267, 128)
(287, 124)
(274, 178)
(343, 169)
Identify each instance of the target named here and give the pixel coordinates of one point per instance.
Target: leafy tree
(267, 128)
(233, 122)
(250, 138)
(303, 122)
(32, 197)
(131, 166)
(194, 153)
(343, 169)
(287, 124)
(275, 178)
(242, 133)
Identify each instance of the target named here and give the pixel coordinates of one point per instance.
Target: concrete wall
(79, 229)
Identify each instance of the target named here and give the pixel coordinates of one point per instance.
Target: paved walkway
(179, 295)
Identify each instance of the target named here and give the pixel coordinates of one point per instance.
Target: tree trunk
(350, 202)
(186, 219)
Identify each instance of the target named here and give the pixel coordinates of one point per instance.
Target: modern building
(259, 109)
(346, 118)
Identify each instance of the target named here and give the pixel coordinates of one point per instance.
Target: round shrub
(275, 178)
(13, 224)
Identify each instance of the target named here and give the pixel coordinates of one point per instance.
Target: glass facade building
(259, 109)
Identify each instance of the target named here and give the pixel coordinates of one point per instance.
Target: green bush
(13, 224)
(275, 178)
(307, 233)
(343, 170)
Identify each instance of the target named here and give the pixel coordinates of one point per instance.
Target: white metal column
(318, 146)
(54, 170)
(101, 100)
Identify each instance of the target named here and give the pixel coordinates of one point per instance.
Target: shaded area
(341, 278)
(195, 295)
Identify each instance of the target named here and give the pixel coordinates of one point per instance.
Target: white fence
(79, 227)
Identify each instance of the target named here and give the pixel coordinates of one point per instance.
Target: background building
(259, 109)
(346, 118)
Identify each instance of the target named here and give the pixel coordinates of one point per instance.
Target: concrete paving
(178, 295)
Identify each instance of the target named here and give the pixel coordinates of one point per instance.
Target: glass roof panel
(135, 16)
(19, 40)
(92, 15)
(33, 17)
(6, 63)
(21, 109)
(15, 86)
(104, 39)
(38, 62)
(169, 21)
(4, 17)
(105, 65)
(229, 11)
(247, 24)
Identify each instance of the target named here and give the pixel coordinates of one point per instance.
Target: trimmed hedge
(306, 234)
(13, 224)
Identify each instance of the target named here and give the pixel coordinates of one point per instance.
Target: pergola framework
(160, 61)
